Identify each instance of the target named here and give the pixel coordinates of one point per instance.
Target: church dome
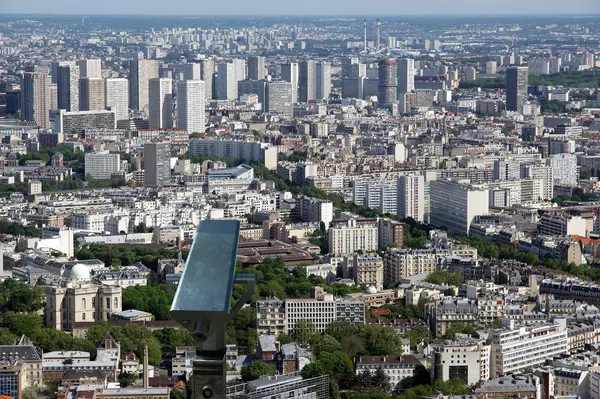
(79, 272)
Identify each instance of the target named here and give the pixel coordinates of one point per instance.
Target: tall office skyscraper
(116, 96)
(323, 77)
(90, 68)
(160, 110)
(192, 71)
(258, 87)
(289, 73)
(411, 197)
(406, 75)
(516, 88)
(157, 164)
(229, 74)
(191, 105)
(279, 99)
(67, 87)
(307, 82)
(388, 83)
(141, 71)
(208, 70)
(256, 68)
(54, 69)
(91, 94)
(35, 98)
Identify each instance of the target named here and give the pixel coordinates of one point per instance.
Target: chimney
(146, 378)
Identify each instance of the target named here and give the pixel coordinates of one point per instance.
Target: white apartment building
(396, 368)
(565, 225)
(399, 263)
(314, 210)
(116, 97)
(235, 149)
(348, 236)
(468, 360)
(564, 169)
(102, 165)
(411, 197)
(190, 105)
(95, 222)
(455, 203)
(160, 98)
(515, 348)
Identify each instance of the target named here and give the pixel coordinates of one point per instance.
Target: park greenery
(17, 229)
(445, 278)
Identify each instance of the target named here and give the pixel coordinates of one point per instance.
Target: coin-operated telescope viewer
(202, 303)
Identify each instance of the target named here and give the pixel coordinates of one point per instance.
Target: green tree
(30, 393)
(174, 337)
(6, 337)
(326, 343)
(339, 367)
(303, 331)
(445, 278)
(312, 370)
(417, 334)
(381, 380)
(381, 340)
(148, 298)
(353, 346)
(256, 370)
(284, 339)
(20, 324)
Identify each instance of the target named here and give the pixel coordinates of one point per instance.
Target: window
(116, 303)
(83, 316)
(83, 303)
(107, 303)
(94, 302)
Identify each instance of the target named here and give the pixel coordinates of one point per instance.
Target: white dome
(79, 272)
(372, 290)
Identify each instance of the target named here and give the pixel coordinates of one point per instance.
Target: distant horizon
(296, 15)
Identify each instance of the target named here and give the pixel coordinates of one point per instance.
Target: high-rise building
(289, 73)
(314, 210)
(236, 149)
(516, 88)
(68, 87)
(228, 75)
(368, 270)
(208, 71)
(258, 87)
(454, 204)
(348, 236)
(256, 68)
(116, 97)
(91, 94)
(411, 197)
(141, 71)
(388, 83)
(35, 98)
(102, 165)
(90, 68)
(307, 85)
(406, 75)
(192, 71)
(160, 110)
(490, 68)
(323, 77)
(157, 164)
(54, 68)
(390, 232)
(191, 105)
(279, 99)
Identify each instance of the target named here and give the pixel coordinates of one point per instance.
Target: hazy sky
(301, 7)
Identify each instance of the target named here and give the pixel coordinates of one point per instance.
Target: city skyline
(273, 8)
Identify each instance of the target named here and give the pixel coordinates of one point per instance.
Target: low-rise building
(396, 368)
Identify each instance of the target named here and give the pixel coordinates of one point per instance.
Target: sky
(301, 7)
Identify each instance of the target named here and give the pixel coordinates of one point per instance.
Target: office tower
(258, 87)
(411, 197)
(490, 68)
(256, 68)
(208, 71)
(455, 204)
(141, 71)
(35, 98)
(307, 87)
(190, 106)
(91, 94)
(54, 68)
(516, 88)
(116, 97)
(289, 73)
(352, 68)
(90, 68)
(365, 35)
(279, 99)
(67, 87)
(388, 83)
(157, 164)
(52, 96)
(192, 71)
(323, 76)
(160, 110)
(229, 74)
(406, 75)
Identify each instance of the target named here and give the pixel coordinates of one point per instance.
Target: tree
(339, 367)
(284, 339)
(256, 370)
(303, 331)
(312, 370)
(148, 298)
(417, 334)
(381, 340)
(445, 278)
(20, 324)
(353, 346)
(31, 393)
(326, 343)
(174, 337)
(341, 329)
(381, 380)
(459, 328)
(126, 379)
(6, 337)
